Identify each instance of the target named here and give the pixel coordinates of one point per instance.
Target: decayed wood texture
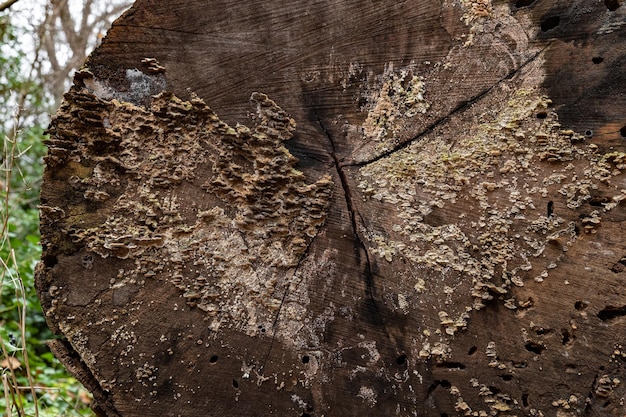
(343, 208)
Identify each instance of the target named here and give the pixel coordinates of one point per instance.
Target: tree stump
(342, 208)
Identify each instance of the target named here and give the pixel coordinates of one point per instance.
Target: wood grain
(324, 208)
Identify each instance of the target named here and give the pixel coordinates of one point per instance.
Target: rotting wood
(424, 221)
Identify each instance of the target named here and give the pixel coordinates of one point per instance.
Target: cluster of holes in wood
(608, 313)
(400, 360)
(567, 338)
(534, 347)
(588, 133)
(213, 360)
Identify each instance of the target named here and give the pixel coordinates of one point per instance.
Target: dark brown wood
(343, 208)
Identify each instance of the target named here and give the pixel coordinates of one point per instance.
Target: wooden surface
(341, 208)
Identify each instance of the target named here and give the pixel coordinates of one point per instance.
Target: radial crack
(442, 120)
(359, 244)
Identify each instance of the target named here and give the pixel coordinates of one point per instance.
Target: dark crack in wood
(461, 107)
(359, 244)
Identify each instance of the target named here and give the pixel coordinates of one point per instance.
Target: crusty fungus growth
(400, 97)
(229, 248)
(505, 171)
(470, 260)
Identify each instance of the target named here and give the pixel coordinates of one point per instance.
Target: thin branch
(61, 32)
(47, 38)
(4, 6)
(62, 11)
(84, 22)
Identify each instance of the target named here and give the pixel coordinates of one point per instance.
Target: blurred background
(42, 43)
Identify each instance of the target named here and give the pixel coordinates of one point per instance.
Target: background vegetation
(41, 43)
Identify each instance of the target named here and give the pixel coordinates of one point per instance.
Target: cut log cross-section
(343, 208)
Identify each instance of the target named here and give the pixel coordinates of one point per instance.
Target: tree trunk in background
(343, 208)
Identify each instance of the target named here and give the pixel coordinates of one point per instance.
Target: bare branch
(48, 39)
(84, 23)
(67, 35)
(7, 4)
(62, 10)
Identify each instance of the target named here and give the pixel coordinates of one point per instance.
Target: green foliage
(34, 383)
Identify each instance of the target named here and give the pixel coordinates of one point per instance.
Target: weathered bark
(426, 219)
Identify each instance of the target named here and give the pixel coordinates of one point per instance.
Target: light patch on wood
(400, 97)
